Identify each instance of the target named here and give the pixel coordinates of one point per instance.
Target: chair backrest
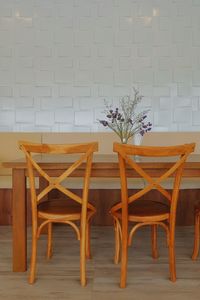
(85, 152)
(127, 154)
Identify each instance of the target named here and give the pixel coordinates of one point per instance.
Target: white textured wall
(60, 58)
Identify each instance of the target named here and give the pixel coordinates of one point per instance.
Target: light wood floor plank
(59, 278)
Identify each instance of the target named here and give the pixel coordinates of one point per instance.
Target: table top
(102, 161)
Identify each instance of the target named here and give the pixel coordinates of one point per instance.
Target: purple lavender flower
(104, 123)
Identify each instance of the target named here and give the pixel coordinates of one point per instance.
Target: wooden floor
(59, 277)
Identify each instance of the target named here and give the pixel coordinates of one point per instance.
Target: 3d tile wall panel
(59, 60)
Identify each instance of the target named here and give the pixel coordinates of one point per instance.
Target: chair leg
(49, 241)
(124, 258)
(88, 248)
(83, 257)
(33, 259)
(124, 254)
(154, 241)
(172, 261)
(117, 243)
(196, 236)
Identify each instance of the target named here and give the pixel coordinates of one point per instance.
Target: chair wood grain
(196, 230)
(49, 212)
(151, 213)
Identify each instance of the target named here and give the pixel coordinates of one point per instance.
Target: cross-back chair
(58, 211)
(196, 230)
(139, 211)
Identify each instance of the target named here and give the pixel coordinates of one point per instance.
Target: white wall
(60, 58)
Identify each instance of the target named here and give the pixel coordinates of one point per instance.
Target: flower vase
(124, 141)
(137, 140)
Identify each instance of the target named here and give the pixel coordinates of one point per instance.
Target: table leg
(42, 185)
(19, 221)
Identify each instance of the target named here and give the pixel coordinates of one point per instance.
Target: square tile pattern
(60, 59)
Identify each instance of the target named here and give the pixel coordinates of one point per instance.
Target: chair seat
(60, 209)
(146, 210)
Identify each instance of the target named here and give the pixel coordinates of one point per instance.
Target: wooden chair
(57, 211)
(196, 230)
(135, 209)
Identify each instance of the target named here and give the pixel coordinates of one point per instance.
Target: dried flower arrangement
(126, 122)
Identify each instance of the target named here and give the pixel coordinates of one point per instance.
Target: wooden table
(105, 166)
